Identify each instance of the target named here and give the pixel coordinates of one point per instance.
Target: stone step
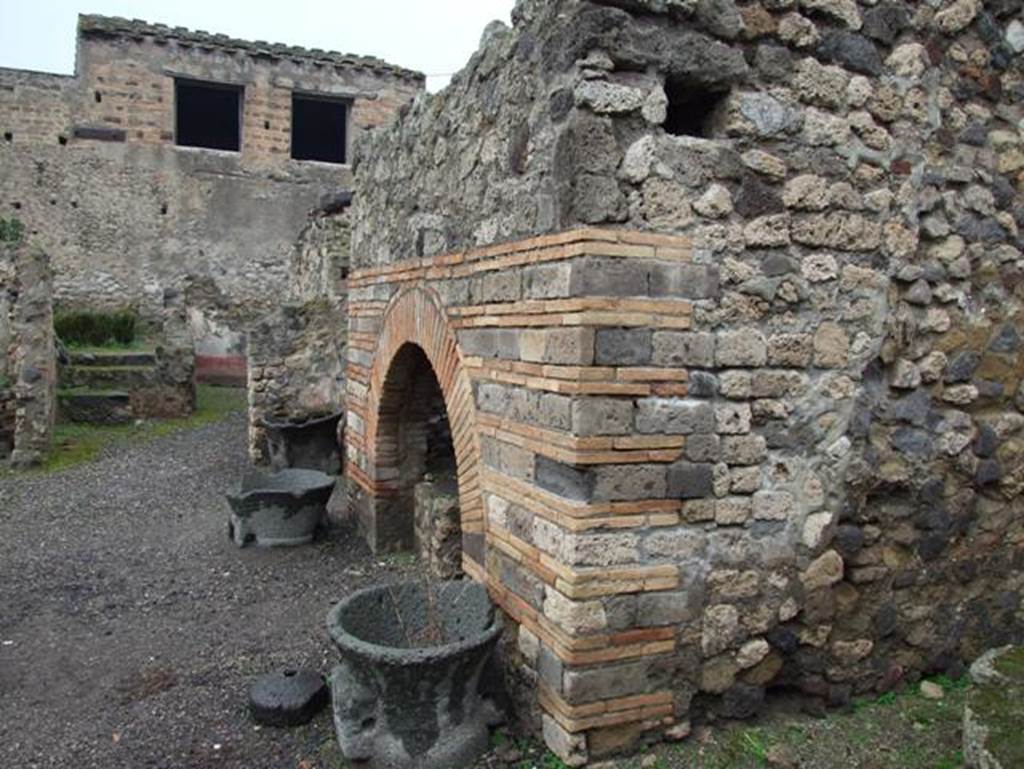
(113, 358)
(95, 407)
(108, 377)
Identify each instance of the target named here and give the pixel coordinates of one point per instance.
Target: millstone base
(287, 698)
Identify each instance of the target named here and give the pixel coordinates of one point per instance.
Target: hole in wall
(163, 210)
(266, 125)
(16, 205)
(8, 136)
(692, 109)
(62, 140)
(98, 96)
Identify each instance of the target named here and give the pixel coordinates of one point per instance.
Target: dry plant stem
(432, 633)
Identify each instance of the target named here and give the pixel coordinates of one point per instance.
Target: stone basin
(406, 693)
(280, 508)
(310, 443)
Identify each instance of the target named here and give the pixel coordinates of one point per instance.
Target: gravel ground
(130, 627)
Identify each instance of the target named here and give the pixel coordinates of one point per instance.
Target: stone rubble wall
(297, 353)
(28, 409)
(438, 544)
(825, 367)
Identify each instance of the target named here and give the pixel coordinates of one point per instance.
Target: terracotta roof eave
(136, 29)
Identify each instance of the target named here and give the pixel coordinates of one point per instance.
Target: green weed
(755, 746)
(551, 761)
(499, 738)
(11, 230)
(951, 684)
(954, 761)
(100, 329)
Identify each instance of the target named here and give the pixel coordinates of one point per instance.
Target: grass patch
(954, 761)
(1000, 708)
(11, 230)
(136, 345)
(74, 444)
(897, 730)
(551, 761)
(403, 560)
(100, 329)
(499, 738)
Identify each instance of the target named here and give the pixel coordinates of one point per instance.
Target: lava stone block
(287, 698)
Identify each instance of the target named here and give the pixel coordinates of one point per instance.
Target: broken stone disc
(287, 698)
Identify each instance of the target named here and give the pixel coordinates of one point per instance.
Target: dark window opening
(208, 115)
(692, 110)
(98, 96)
(62, 140)
(319, 128)
(8, 136)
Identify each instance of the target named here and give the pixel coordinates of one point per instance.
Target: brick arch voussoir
(416, 316)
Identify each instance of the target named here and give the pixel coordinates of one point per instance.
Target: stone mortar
(403, 706)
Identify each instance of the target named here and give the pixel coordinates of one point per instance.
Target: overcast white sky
(432, 36)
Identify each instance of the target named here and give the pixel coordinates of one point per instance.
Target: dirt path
(130, 627)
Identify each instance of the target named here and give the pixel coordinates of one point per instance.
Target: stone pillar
(32, 354)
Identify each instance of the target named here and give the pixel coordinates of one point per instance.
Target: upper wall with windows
(140, 83)
(183, 161)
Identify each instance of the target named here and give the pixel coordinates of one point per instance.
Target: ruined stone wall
(90, 164)
(297, 353)
(29, 368)
(320, 259)
(823, 366)
(37, 107)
